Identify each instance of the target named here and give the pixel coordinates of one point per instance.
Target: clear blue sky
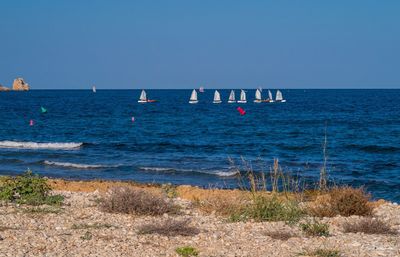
(70, 44)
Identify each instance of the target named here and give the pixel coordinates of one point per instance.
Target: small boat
(258, 96)
(279, 97)
(270, 99)
(143, 97)
(193, 97)
(217, 97)
(94, 89)
(232, 97)
(242, 97)
(201, 89)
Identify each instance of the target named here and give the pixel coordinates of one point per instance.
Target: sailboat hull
(258, 101)
(142, 101)
(217, 102)
(242, 102)
(231, 102)
(193, 102)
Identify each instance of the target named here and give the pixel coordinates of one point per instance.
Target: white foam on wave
(75, 165)
(217, 173)
(227, 173)
(35, 145)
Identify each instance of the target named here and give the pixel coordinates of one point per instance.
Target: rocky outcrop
(4, 88)
(20, 85)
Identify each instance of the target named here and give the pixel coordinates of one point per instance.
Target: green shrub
(322, 253)
(264, 208)
(28, 188)
(187, 251)
(315, 228)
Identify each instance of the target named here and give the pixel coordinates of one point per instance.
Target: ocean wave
(218, 173)
(77, 165)
(35, 145)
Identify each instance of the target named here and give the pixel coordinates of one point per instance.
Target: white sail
(217, 97)
(242, 97)
(143, 97)
(193, 97)
(258, 95)
(232, 97)
(278, 96)
(201, 89)
(269, 95)
(94, 89)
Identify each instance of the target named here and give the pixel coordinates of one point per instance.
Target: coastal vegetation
(170, 227)
(187, 251)
(28, 188)
(136, 201)
(369, 226)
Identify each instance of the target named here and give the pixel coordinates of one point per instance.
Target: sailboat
(143, 97)
(242, 97)
(201, 89)
(270, 99)
(279, 97)
(217, 97)
(232, 97)
(94, 89)
(193, 97)
(258, 96)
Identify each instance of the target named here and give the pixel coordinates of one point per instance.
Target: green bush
(187, 251)
(28, 188)
(264, 208)
(315, 228)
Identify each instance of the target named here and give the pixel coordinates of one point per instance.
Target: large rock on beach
(20, 85)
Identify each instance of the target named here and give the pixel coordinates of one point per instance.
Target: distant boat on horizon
(279, 97)
(242, 97)
(201, 89)
(232, 97)
(258, 96)
(94, 89)
(269, 99)
(193, 97)
(143, 98)
(217, 97)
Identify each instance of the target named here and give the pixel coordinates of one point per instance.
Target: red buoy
(241, 111)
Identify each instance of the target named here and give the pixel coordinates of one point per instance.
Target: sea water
(86, 135)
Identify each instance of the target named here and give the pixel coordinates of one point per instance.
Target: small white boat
(270, 99)
(143, 97)
(232, 97)
(217, 97)
(201, 89)
(242, 97)
(94, 89)
(258, 96)
(279, 97)
(193, 97)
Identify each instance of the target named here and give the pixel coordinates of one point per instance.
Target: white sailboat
(279, 97)
(232, 97)
(193, 97)
(242, 97)
(270, 98)
(143, 97)
(258, 96)
(201, 89)
(94, 89)
(217, 97)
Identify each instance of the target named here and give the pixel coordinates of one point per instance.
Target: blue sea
(91, 136)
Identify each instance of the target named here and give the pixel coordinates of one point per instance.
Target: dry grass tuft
(369, 226)
(170, 227)
(322, 253)
(137, 201)
(280, 235)
(344, 201)
(315, 228)
(223, 205)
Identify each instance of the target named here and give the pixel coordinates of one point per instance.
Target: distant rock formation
(20, 85)
(4, 88)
